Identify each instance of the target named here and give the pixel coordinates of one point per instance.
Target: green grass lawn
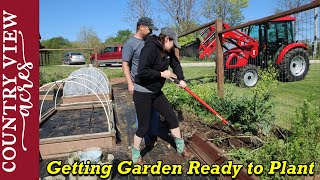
(288, 97)
(57, 72)
(195, 60)
(198, 72)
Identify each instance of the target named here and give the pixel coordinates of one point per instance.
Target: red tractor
(258, 46)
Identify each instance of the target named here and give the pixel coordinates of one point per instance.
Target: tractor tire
(294, 65)
(247, 76)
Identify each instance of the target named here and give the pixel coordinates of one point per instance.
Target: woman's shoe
(139, 161)
(186, 153)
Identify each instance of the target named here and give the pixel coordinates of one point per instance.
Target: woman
(155, 59)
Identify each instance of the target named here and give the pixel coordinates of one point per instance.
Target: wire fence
(284, 46)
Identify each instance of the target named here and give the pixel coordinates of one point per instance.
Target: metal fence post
(219, 57)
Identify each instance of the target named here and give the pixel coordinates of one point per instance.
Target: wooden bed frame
(62, 146)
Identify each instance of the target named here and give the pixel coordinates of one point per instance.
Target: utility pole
(315, 41)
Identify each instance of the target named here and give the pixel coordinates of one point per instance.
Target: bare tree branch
(181, 12)
(283, 5)
(137, 9)
(88, 37)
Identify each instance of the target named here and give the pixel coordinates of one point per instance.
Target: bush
(252, 113)
(302, 147)
(50, 77)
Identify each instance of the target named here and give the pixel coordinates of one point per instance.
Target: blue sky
(66, 17)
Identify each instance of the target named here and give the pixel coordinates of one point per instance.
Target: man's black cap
(147, 22)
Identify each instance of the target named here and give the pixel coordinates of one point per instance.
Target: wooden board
(209, 153)
(47, 115)
(51, 95)
(62, 146)
(46, 98)
(84, 106)
(91, 98)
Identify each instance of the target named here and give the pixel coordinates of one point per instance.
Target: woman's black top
(152, 61)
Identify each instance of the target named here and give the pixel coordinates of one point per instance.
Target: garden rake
(207, 106)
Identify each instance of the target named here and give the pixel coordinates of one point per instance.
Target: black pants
(143, 103)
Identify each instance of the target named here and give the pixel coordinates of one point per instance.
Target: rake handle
(204, 103)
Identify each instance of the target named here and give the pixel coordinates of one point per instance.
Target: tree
(283, 5)
(56, 43)
(137, 9)
(302, 20)
(121, 37)
(88, 37)
(187, 39)
(230, 11)
(181, 12)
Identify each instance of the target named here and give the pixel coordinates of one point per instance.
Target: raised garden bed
(74, 128)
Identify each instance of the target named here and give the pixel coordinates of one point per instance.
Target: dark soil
(75, 122)
(46, 106)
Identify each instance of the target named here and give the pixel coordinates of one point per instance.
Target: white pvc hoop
(96, 80)
(101, 72)
(59, 87)
(72, 77)
(84, 86)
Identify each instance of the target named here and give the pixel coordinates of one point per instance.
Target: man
(130, 60)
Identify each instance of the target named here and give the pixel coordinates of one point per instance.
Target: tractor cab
(272, 36)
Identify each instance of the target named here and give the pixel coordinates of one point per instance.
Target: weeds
(252, 113)
(301, 147)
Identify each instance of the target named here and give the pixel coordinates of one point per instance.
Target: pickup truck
(109, 55)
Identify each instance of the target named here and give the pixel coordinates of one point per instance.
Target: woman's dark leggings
(143, 103)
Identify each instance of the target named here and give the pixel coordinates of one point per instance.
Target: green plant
(251, 112)
(47, 77)
(258, 110)
(42, 79)
(301, 147)
(76, 159)
(175, 95)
